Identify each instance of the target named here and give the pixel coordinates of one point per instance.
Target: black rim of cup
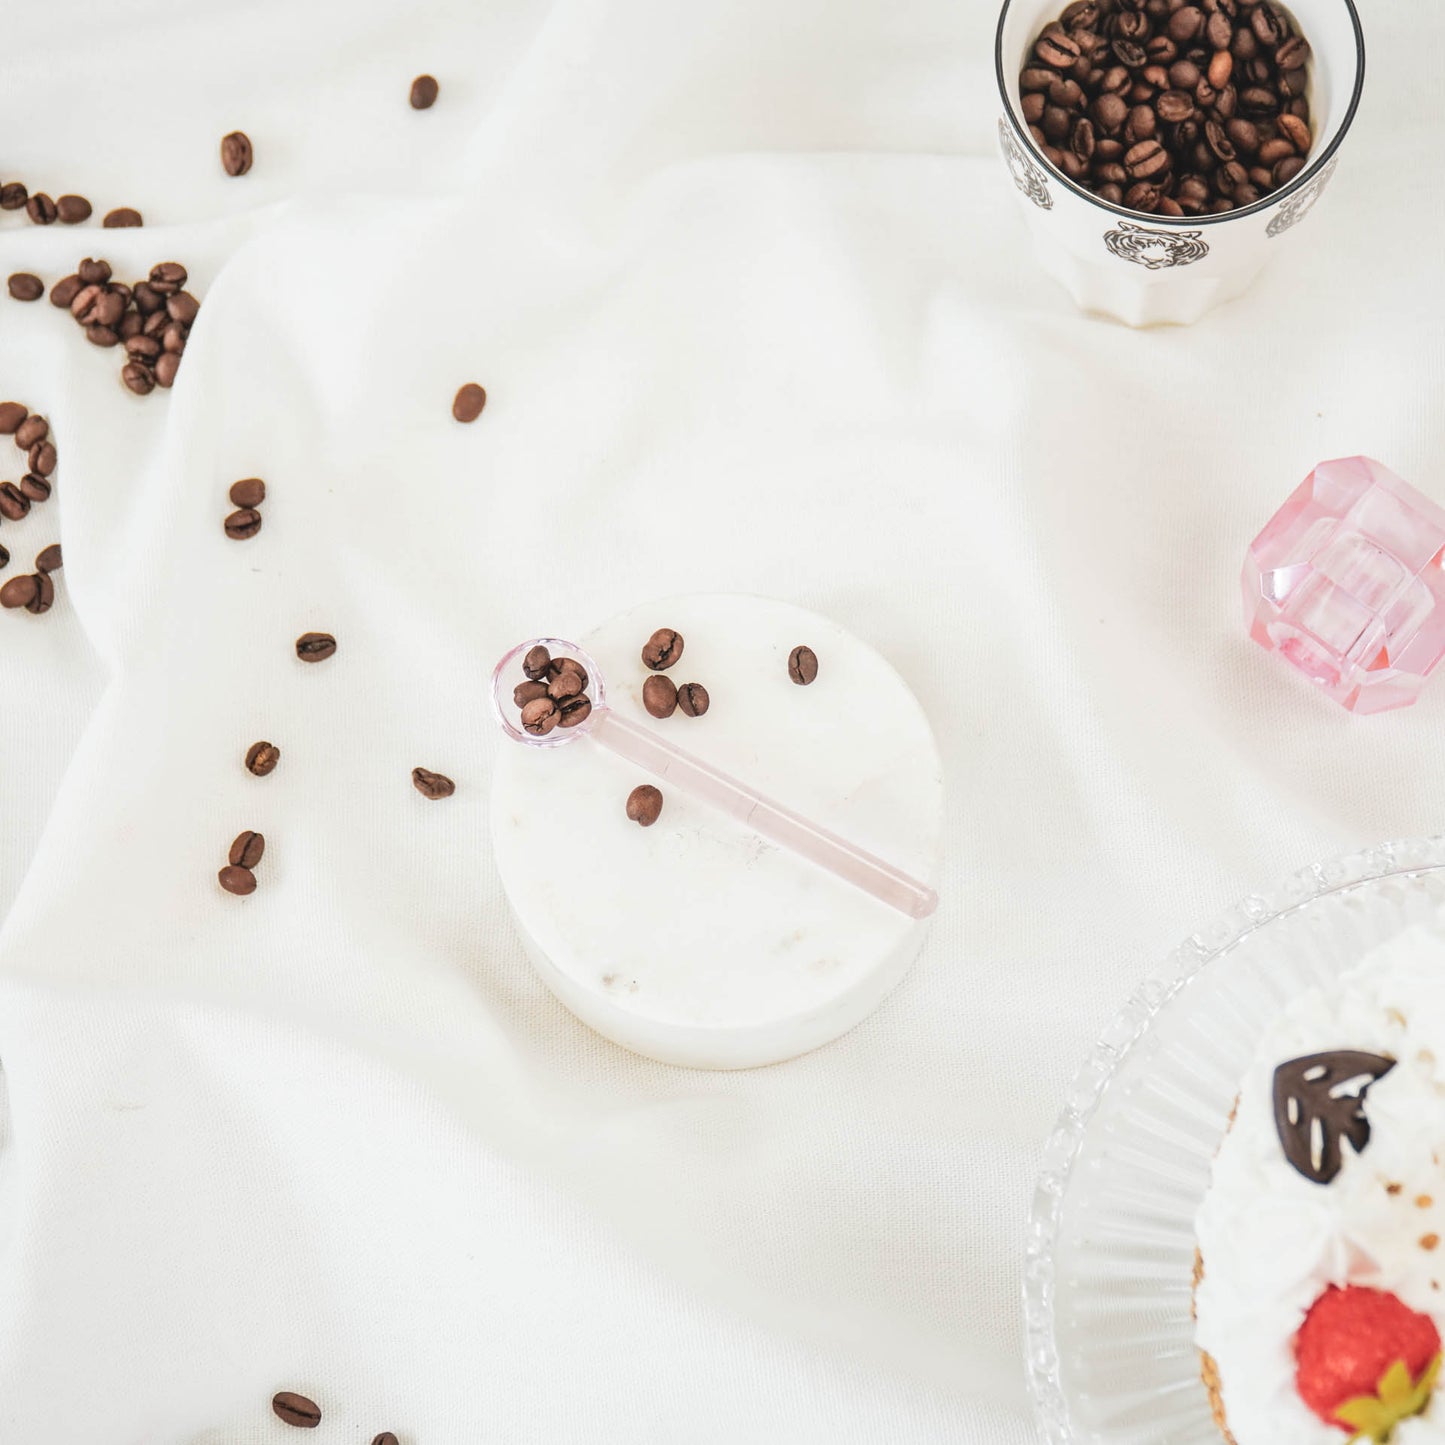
(1008, 89)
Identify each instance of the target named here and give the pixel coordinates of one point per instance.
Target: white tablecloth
(750, 297)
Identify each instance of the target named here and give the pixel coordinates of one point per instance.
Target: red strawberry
(1365, 1361)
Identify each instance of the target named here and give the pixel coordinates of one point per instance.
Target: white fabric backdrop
(749, 294)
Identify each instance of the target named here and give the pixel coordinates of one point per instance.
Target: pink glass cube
(1345, 583)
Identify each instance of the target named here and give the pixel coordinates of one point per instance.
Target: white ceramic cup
(1143, 269)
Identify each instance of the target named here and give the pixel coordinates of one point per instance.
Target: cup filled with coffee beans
(1163, 150)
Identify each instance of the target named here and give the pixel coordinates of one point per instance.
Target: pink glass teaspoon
(665, 760)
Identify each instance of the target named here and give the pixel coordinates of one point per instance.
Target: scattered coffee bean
(574, 710)
(659, 695)
(315, 646)
(72, 210)
(4, 557)
(526, 692)
(644, 805)
(692, 698)
(19, 592)
(296, 1410)
(432, 785)
(243, 524)
(12, 417)
(802, 665)
(139, 378)
(41, 209)
(662, 649)
(246, 851)
(1152, 84)
(261, 759)
(35, 487)
(122, 216)
(13, 196)
(423, 92)
(44, 594)
(536, 662)
(250, 492)
(24, 286)
(236, 153)
(14, 504)
(539, 716)
(468, 403)
(33, 429)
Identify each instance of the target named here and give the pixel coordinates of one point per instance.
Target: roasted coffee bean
(1267, 24)
(19, 592)
(142, 348)
(1142, 125)
(575, 710)
(1244, 46)
(93, 272)
(526, 692)
(139, 378)
(1229, 177)
(166, 368)
(48, 559)
(1186, 24)
(563, 686)
(1110, 112)
(1185, 75)
(36, 487)
(31, 430)
(1275, 150)
(4, 557)
(423, 92)
(1218, 141)
(239, 881)
(1221, 67)
(13, 196)
(1286, 170)
(1293, 129)
(249, 492)
(1132, 25)
(1168, 206)
(109, 308)
(246, 851)
(236, 153)
(644, 805)
(1141, 196)
(41, 209)
(242, 524)
(1111, 175)
(692, 699)
(1072, 166)
(1258, 101)
(1292, 54)
(41, 458)
(72, 209)
(44, 597)
(1243, 136)
(1174, 106)
(468, 403)
(1067, 93)
(432, 785)
(1162, 51)
(14, 504)
(1082, 139)
(1036, 78)
(539, 716)
(1146, 161)
(24, 286)
(1057, 50)
(1130, 55)
(1218, 31)
(147, 298)
(315, 646)
(1261, 177)
(802, 665)
(296, 1410)
(1032, 108)
(182, 307)
(659, 695)
(102, 336)
(386, 1438)
(132, 324)
(65, 291)
(536, 662)
(662, 649)
(168, 277)
(122, 216)
(1056, 123)
(1081, 15)
(85, 303)
(1156, 77)
(173, 338)
(1226, 103)
(261, 759)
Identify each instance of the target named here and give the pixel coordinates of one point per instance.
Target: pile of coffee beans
(1172, 107)
(151, 320)
(553, 693)
(31, 434)
(246, 497)
(238, 876)
(660, 696)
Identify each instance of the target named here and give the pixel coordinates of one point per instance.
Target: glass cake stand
(1110, 1255)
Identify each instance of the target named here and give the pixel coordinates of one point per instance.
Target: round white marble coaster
(695, 941)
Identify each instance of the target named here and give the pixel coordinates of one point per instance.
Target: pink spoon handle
(762, 815)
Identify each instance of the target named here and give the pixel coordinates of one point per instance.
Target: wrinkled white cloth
(753, 306)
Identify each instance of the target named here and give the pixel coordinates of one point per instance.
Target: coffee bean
(239, 881)
(41, 458)
(423, 92)
(1129, 54)
(31, 430)
(1141, 196)
(468, 403)
(315, 646)
(173, 338)
(14, 504)
(1132, 25)
(12, 196)
(1146, 161)
(44, 594)
(1057, 50)
(72, 209)
(386, 1438)
(1174, 106)
(121, 216)
(1292, 54)
(1296, 132)
(692, 699)
(166, 368)
(1082, 138)
(1275, 150)
(246, 851)
(138, 377)
(4, 557)
(183, 307)
(1218, 31)
(432, 785)
(644, 805)
(659, 695)
(243, 524)
(1186, 24)
(249, 492)
(1032, 107)
(1221, 67)
(662, 649)
(168, 277)
(296, 1410)
(1036, 78)
(1141, 125)
(12, 416)
(236, 153)
(534, 664)
(1286, 170)
(802, 665)
(24, 286)
(1218, 141)
(49, 559)
(102, 336)
(1258, 101)
(575, 710)
(41, 209)
(526, 692)
(539, 716)
(563, 685)
(93, 272)
(19, 592)
(35, 487)
(147, 298)
(261, 759)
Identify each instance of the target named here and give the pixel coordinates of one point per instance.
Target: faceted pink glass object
(1345, 583)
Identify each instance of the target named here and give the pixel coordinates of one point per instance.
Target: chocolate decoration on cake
(1315, 1107)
